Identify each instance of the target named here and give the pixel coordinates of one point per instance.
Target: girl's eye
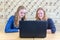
(21, 12)
(24, 13)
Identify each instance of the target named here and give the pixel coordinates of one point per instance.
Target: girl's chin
(40, 17)
(21, 17)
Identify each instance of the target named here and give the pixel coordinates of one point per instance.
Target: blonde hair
(37, 18)
(16, 19)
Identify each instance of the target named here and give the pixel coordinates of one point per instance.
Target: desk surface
(15, 36)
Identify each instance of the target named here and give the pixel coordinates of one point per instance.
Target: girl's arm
(52, 26)
(9, 24)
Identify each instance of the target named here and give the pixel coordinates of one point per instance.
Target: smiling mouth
(41, 15)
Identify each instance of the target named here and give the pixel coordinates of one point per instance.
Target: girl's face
(40, 14)
(22, 13)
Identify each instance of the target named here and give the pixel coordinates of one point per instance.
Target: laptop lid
(33, 29)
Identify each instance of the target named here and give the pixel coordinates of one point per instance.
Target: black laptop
(32, 29)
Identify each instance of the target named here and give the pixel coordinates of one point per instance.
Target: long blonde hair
(16, 19)
(37, 18)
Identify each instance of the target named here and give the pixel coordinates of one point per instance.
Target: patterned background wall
(9, 7)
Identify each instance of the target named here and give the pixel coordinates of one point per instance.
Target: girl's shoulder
(50, 20)
(12, 17)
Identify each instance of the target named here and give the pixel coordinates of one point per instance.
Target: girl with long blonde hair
(13, 22)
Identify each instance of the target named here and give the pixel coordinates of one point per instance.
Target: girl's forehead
(40, 11)
(23, 10)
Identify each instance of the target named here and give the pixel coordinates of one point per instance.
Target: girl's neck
(41, 18)
(19, 19)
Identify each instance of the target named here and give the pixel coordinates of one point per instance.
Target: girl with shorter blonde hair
(44, 17)
(41, 15)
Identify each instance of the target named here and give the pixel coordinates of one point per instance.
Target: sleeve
(9, 24)
(52, 26)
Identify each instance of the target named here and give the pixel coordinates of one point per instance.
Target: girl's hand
(49, 31)
(18, 30)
